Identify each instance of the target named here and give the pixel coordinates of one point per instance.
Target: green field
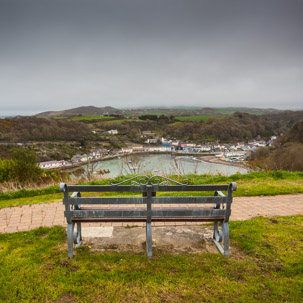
(120, 121)
(266, 265)
(176, 123)
(106, 119)
(197, 118)
(57, 118)
(93, 118)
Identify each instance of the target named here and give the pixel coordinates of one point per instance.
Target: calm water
(164, 164)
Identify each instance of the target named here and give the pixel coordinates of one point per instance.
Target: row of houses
(227, 151)
(96, 154)
(52, 164)
(76, 159)
(141, 148)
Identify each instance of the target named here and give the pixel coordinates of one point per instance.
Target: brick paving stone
(11, 229)
(50, 224)
(24, 227)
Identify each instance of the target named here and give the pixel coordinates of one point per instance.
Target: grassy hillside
(196, 118)
(84, 117)
(175, 111)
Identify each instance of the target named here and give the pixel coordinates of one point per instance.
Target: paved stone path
(21, 218)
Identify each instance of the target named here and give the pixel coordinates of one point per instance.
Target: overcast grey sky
(59, 54)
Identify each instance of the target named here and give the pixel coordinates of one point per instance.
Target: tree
(5, 170)
(24, 165)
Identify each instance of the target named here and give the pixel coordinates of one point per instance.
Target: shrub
(24, 165)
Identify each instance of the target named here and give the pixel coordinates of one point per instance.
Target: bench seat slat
(154, 219)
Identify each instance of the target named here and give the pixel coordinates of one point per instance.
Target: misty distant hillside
(83, 110)
(174, 111)
(197, 111)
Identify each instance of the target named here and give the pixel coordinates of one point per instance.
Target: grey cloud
(62, 54)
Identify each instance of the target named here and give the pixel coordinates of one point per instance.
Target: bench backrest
(220, 209)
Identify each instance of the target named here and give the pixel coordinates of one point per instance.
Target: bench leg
(149, 240)
(225, 229)
(70, 240)
(78, 235)
(222, 234)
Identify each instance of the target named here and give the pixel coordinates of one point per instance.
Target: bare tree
(131, 164)
(178, 166)
(90, 169)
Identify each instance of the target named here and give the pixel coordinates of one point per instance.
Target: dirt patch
(66, 298)
(166, 239)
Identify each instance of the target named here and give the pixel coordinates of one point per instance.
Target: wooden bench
(148, 208)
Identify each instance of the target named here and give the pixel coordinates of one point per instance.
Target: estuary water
(163, 164)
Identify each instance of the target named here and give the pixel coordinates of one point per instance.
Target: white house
(158, 149)
(138, 148)
(205, 148)
(175, 143)
(84, 158)
(52, 164)
(113, 132)
(151, 141)
(127, 150)
(147, 133)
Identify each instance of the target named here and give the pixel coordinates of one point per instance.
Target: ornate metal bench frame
(219, 212)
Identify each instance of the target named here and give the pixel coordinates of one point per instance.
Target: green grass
(253, 184)
(26, 193)
(225, 111)
(197, 118)
(32, 200)
(266, 266)
(120, 121)
(93, 118)
(175, 123)
(58, 118)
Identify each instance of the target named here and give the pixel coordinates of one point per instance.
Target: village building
(147, 133)
(52, 164)
(138, 148)
(80, 158)
(113, 132)
(158, 149)
(151, 141)
(204, 148)
(76, 158)
(127, 150)
(175, 143)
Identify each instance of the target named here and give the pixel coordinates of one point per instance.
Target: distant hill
(196, 111)
(174, 111)
(82, 110)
